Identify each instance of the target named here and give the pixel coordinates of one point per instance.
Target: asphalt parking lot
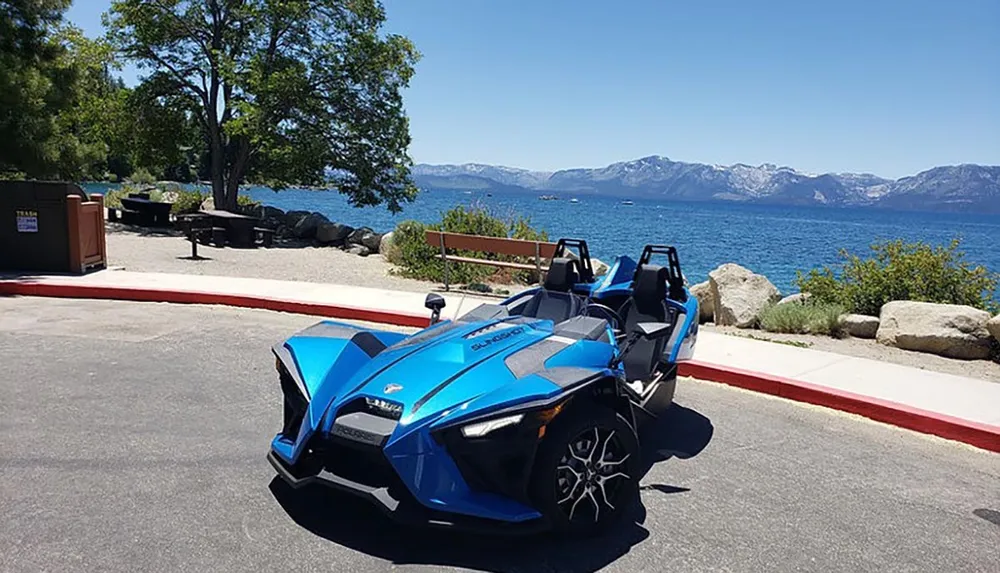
(135, 435)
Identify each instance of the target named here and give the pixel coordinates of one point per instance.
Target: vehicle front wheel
(586, 472)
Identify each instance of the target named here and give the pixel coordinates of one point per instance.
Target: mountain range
(965, 188)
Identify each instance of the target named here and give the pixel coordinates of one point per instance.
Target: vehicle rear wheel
(586, 472)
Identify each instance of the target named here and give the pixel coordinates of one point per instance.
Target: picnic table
(139, 209)
(224, 228)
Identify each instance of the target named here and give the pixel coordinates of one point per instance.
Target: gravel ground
(135, 437)
(982, 369)
(168, 252)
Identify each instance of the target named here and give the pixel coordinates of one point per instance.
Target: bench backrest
(496, 245)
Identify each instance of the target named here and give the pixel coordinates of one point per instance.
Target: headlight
(480, 429)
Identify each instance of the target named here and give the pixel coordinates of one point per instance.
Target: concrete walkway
(956, 407)
(955, 396)
(399, 307)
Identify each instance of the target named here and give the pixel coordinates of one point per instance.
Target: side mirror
(434, 302)
(653, 330)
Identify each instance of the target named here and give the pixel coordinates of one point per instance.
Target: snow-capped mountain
(502, 175)
(961, 187)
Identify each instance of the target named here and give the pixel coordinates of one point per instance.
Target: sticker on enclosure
(27, 221)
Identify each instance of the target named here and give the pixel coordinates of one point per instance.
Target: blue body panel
(617, 281)
(452, 372)
(444, 379)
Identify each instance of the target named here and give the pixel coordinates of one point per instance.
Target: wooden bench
(538, 251)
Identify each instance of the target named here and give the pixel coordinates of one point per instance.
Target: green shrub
(416, 259)
(803, 318)
(113, 198)
(902, 271)
(246, 204)
(142, 176)
(187, 201)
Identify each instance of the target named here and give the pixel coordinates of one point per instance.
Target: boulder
(306, 227)
(951, 330)
(706, 305)
(359, 250)
(799, 297)
(860, 325)
(267, 212)
(994, 327)
(599, 266)
(739, 295)
(384, 244)
(365, 236)
(292, 218)
(333, 234)
(372, 241)
(283, 232)
(270, 217)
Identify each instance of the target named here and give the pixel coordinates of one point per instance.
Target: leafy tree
(118, 130)
(168, 138)
(34, 86)
(95, 124)
(286, 91)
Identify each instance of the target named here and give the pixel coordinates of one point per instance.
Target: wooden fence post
(444, 257)
(74, 204)
(101, 233)
(538, 262)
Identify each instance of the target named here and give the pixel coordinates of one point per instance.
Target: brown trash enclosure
(50, 227)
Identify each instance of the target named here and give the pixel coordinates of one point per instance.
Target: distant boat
(548, 197)
(574, 200)
(627, 202)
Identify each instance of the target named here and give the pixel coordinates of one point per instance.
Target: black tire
(580, 498)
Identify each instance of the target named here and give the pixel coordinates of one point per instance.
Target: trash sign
(27, 221)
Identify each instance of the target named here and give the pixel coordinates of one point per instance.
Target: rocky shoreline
(318, 230)
(734, 296)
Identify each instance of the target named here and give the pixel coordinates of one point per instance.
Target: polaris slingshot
(524, 415)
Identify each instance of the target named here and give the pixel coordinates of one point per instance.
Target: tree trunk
(237, 169)
(218, 170)
(232, 192)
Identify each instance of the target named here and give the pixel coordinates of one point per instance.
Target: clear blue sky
(882, 86)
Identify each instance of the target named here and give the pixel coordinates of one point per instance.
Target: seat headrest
(562, 275)
(650, 285)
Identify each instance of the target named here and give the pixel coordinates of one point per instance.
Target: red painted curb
(980, 435)
(195, 297)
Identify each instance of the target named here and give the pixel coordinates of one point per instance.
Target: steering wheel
(617, 322)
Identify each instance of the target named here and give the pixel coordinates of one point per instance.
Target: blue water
(774, 241)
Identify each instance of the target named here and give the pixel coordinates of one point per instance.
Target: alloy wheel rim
(591, 475)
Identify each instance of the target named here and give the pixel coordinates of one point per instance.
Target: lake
(774, 241)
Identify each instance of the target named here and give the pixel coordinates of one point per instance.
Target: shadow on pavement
(679, 433)
(355, 524)
(989, 515)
